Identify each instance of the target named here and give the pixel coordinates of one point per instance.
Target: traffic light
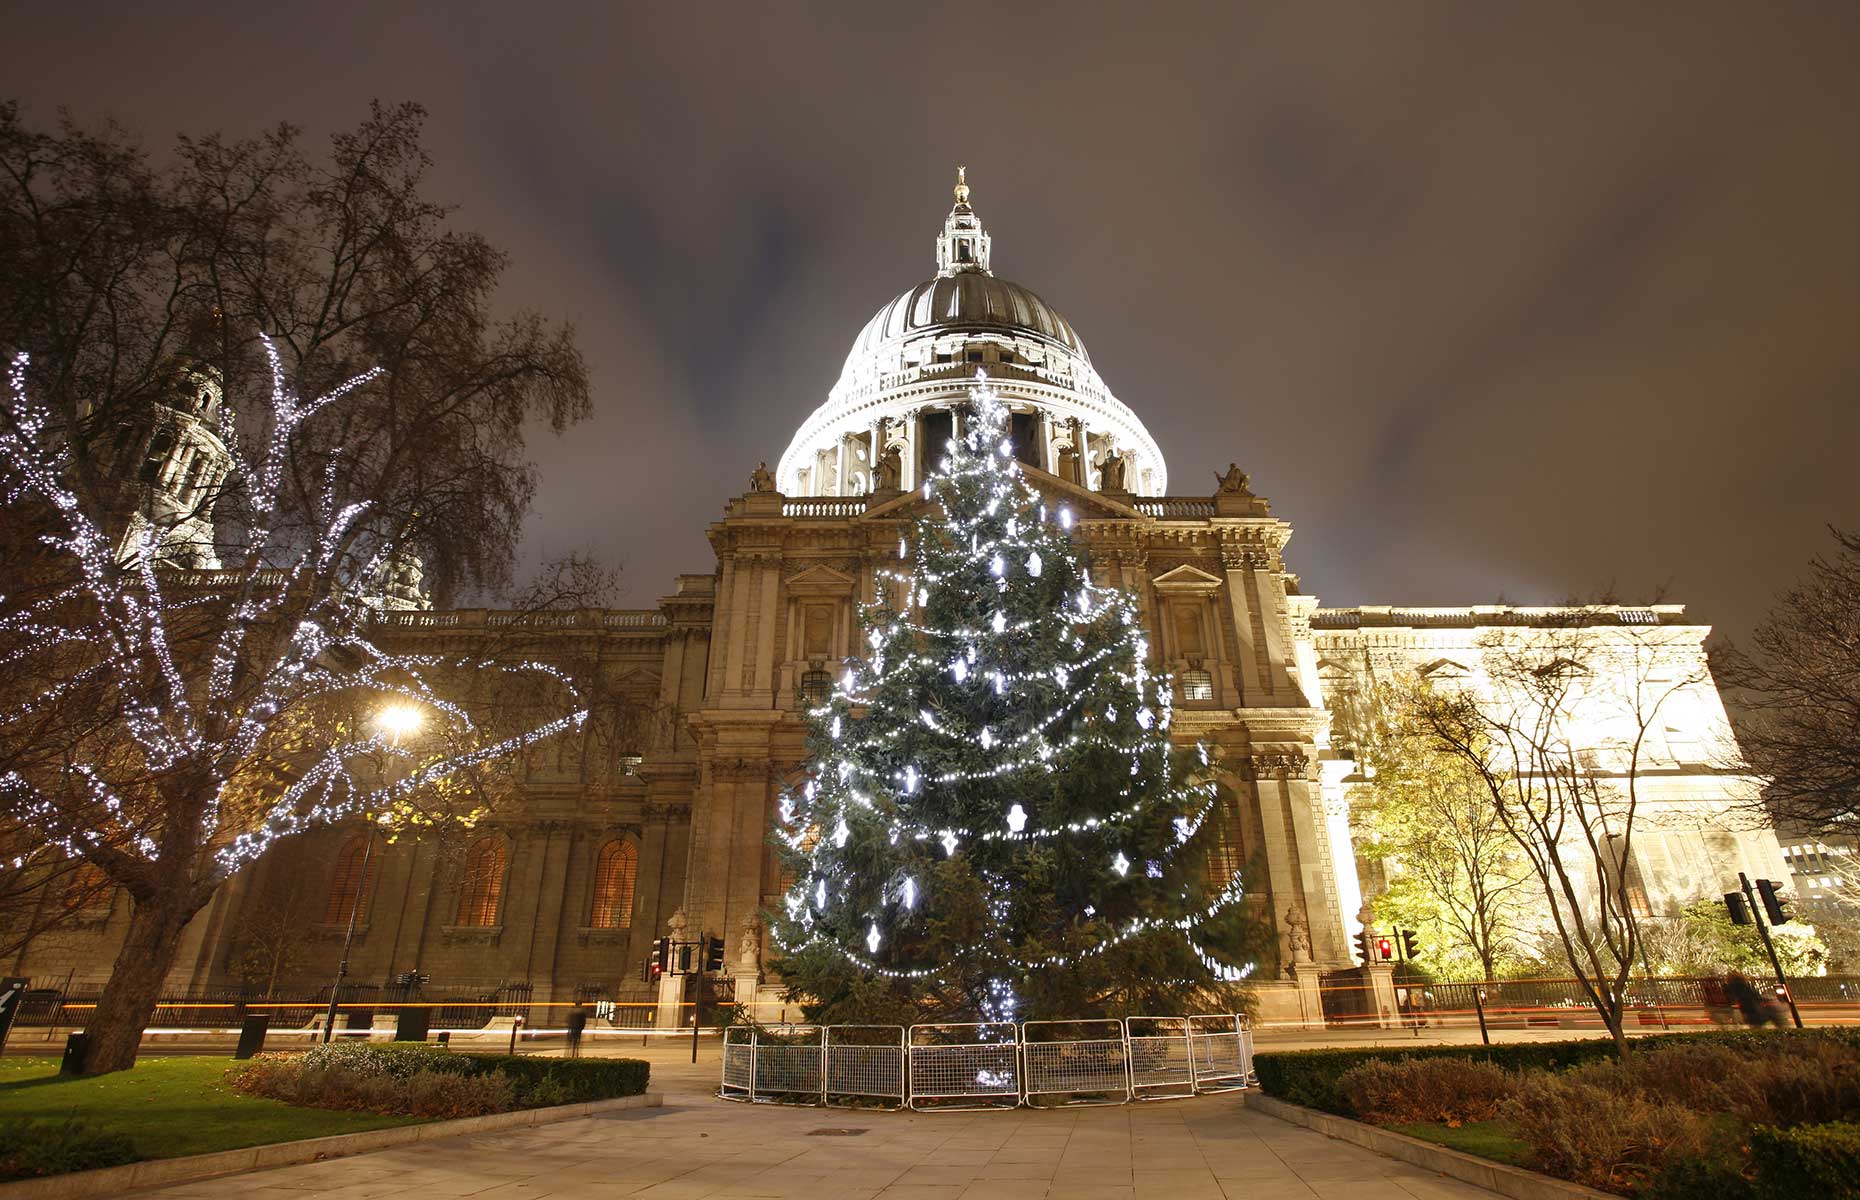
(1385, 948)
(1772, 903)
(1363, 949)
(1734, 904)
(1407, 944)
(660, 957)
(713, 954)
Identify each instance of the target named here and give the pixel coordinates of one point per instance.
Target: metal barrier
(987, 1065)
(786, 1060)
(1221, 1051)
(1075, 1067)
(964, 1066)
(739, 1063)
(864, 1062)
(1162, 1059)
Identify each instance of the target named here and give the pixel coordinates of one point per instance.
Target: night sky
(1492, 300)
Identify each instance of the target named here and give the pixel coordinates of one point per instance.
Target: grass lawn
(170, 1106)
(1487, 1139)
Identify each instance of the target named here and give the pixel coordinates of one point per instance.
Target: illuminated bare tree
(167, 726)
(1558, 733)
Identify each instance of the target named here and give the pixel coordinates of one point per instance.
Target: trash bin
(252, 1036)
(412, 1023)
(75, 1045)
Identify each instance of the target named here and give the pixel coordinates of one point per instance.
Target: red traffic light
(1385, 949)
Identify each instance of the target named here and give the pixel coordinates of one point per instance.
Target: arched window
(348, 887)
(614, 874)
(157, 455)
(1226, 856)
(482, 889)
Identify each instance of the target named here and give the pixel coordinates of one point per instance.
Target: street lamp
(397, 721)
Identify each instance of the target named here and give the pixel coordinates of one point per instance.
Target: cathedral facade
(663, 822)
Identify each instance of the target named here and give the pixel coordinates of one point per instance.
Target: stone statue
(677, 925)
(749, 947)
(1111, 473)
(760, 480)
(1232, 482)
(888, 471)
(1298, 934)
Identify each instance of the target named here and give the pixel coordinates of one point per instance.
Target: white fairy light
(1120, 864)
(841, 833)
(1065, 518)
(820, 895)
(1033, 564)
(998, 565)
(207, 714)
(986, 738)
(949, 842)
(871, 939)
(959, 669)
(1016, 819)
(1000, 621)
(909, 895)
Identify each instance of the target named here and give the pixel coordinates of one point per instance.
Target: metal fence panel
(1162, 1061)
(968, 1066)
(1056, 1065)
(788, 1064)
(739, 1064)
(865, 1060)
(1220, 1054)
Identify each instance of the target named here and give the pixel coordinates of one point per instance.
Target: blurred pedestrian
(577, 1021)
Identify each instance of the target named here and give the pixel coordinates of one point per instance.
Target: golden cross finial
(962, 185)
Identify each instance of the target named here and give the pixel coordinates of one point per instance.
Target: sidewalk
(700, 1148)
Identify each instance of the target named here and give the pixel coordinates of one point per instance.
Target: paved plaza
(700, 1148)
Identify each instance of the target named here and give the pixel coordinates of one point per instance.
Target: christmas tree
(995, 823)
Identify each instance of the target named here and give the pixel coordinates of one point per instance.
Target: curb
(163, 1172)
(1506, 1180)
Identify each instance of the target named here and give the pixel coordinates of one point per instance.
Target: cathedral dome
(967, 300)
(904, 385)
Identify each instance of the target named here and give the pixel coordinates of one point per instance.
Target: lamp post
(397, 721)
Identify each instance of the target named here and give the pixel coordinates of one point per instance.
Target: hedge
(1309, 1077)
(1822, 1161)
(31, 1148)
(550, 1080)
(569, 1080)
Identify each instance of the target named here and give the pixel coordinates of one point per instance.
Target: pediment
(1086, 504)
(1186, 580)
(1444, 668)
(819, 580)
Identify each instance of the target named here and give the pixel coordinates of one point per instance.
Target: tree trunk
(128, 1000)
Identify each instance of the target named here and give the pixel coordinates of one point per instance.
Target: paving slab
(697, 1147)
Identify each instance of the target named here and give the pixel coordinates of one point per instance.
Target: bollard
(516, 1026)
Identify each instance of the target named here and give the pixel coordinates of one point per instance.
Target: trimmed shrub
(411, 1081)
(393, 1060)
(1784, 1082)
(1602, 1138)
(1447, 1091)
(1822, 1161)
(1309, 1077)
(30, 1148)
(1698, 1179)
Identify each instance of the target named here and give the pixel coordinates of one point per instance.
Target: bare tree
(1457, 874)
(1798, 690)
(165, 724)
(196, 724)
(1558, 735)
